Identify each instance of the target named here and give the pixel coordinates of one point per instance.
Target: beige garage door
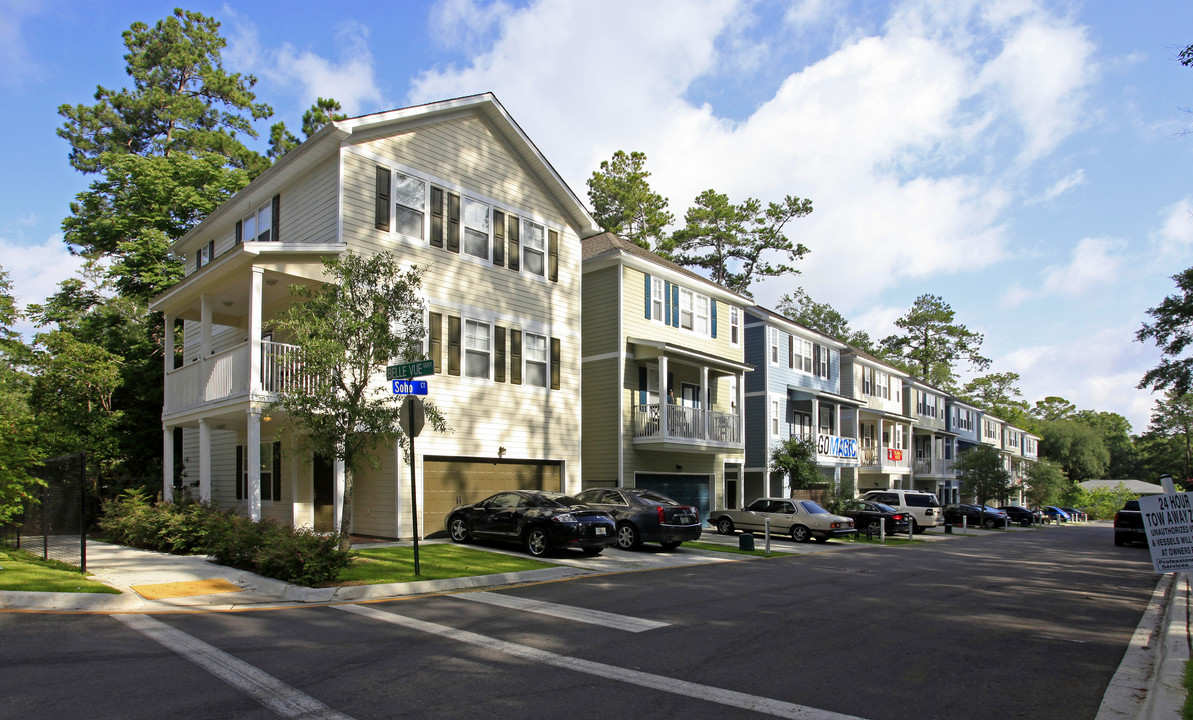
(448, 482)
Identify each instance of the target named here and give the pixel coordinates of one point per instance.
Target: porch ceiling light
(226, 303)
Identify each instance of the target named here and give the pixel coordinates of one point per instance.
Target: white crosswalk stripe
(567, 612)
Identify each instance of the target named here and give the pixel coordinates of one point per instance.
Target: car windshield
(547, 499)
(812, 506)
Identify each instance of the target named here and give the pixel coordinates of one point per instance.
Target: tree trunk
(346, 511)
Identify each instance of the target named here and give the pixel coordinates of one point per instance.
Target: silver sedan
(802, 519)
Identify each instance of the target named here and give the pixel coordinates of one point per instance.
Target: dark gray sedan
(645, 516)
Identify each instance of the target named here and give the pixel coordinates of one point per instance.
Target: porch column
(741, 414)
(254, 464)
(704, 403)
(204, 461)
(815, 418)
(167, 361)
(205, 324)
(339, 493)
(167, 463)
(255, 331)
(664, 398)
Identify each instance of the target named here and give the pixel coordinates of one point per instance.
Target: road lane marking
(274, 694)
(732, 698)
(567, 612)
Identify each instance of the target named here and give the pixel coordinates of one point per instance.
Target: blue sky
(1024, 160)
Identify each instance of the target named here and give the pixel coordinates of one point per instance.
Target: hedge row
(267, 548)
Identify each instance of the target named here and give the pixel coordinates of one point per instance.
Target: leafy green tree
(1171, 423)
(322, 112)
(368, 314)
(1076, 447)
(1172, 331)
(932, 342)
(20, 443)
(1045, 483)
(1116, 435)
(1054, 408)
(169, 149)
(822, 317)
(998, 394)
(729, 241)
(624, 203)
(982, 474)
(796, 457)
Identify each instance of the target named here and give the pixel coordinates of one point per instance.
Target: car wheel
(627, 537)
(915, 527)
(458, 529)
(725, 526)
(669, 546)
(594, 551)
(1118, 541)
(1024, 523)
(801, 534)
(537, 542)
(875, 527)
(989, 523)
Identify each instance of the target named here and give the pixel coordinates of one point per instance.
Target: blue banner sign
(410, 387)
(834, 446)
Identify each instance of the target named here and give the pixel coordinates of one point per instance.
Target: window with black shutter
(555, 363)
(514, 262)
(498, 354)
(516, 357)
(436, 217)
(381, 212)
(453, 345)
(498, 238)
(453, 222)
(435, 349)
(553, 255)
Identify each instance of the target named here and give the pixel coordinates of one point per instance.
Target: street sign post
(408, 370)
(411, 417)
(410, 387)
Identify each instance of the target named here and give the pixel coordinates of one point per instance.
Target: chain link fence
(54, 525)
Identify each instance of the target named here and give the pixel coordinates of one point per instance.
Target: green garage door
(694, 490)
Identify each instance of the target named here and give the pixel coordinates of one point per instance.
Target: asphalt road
(1023, 624)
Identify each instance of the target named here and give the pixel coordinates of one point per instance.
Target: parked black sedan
(540, 521)
(871, 516)
(1022, 515)
(976, 516)
(645, 516)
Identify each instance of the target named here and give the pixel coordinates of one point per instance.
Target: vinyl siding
(600, 312)
(636, 325)
(601, 428)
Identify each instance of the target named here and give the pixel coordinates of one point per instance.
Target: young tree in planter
(982, 474)
(369, 314)
(797, 458)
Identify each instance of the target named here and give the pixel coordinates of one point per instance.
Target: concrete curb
(1149, 680)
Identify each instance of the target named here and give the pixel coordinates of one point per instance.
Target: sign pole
(413, 487)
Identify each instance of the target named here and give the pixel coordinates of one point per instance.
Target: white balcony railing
(885, 458)
(935, 467)
(226, 375)
(687, 423)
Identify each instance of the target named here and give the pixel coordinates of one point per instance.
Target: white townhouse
(455, 187)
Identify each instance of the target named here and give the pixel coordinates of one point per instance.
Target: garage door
(694, 490)
(448, 482)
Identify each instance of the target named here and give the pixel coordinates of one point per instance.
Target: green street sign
(410, 370)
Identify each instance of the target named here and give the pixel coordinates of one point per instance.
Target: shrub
(185, 527)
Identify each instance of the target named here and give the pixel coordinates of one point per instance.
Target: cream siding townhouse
(662, 376)
(455, 187)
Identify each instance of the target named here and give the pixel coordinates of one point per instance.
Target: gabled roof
(328, 139)
(771, 315)
(610, 246)
(860, 354)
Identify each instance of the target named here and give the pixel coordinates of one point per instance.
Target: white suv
(922, 506)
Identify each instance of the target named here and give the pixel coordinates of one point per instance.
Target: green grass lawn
(436, 562)
(22, 571)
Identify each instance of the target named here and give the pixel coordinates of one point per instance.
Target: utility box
(746, 542)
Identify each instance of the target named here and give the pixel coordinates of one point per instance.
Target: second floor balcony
(894, 460)
(933, 467)
(224, 377)
(688, 428)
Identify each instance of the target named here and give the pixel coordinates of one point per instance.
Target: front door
(324, 495)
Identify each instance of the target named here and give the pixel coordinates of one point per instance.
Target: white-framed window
(477, 349)
(476, 228)
(868, 381)
(882, 384)
(774, 418)
(702, 315)
(806, 354)
(774, 345)
(535, 355)
(410, 202)
(734, 326)
(657, 291)
(534, 247)
(685, 309)
(258, 226)
(823, 370)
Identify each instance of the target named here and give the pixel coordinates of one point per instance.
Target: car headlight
(564, 518)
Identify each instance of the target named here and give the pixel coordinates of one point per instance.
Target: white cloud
(464, 24)
(1095, 266)
(1174, 238)
(36, 271)
(1099, 372)
(350, 78)
(1068, 182)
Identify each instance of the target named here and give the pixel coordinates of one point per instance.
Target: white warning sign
(1168, 522)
